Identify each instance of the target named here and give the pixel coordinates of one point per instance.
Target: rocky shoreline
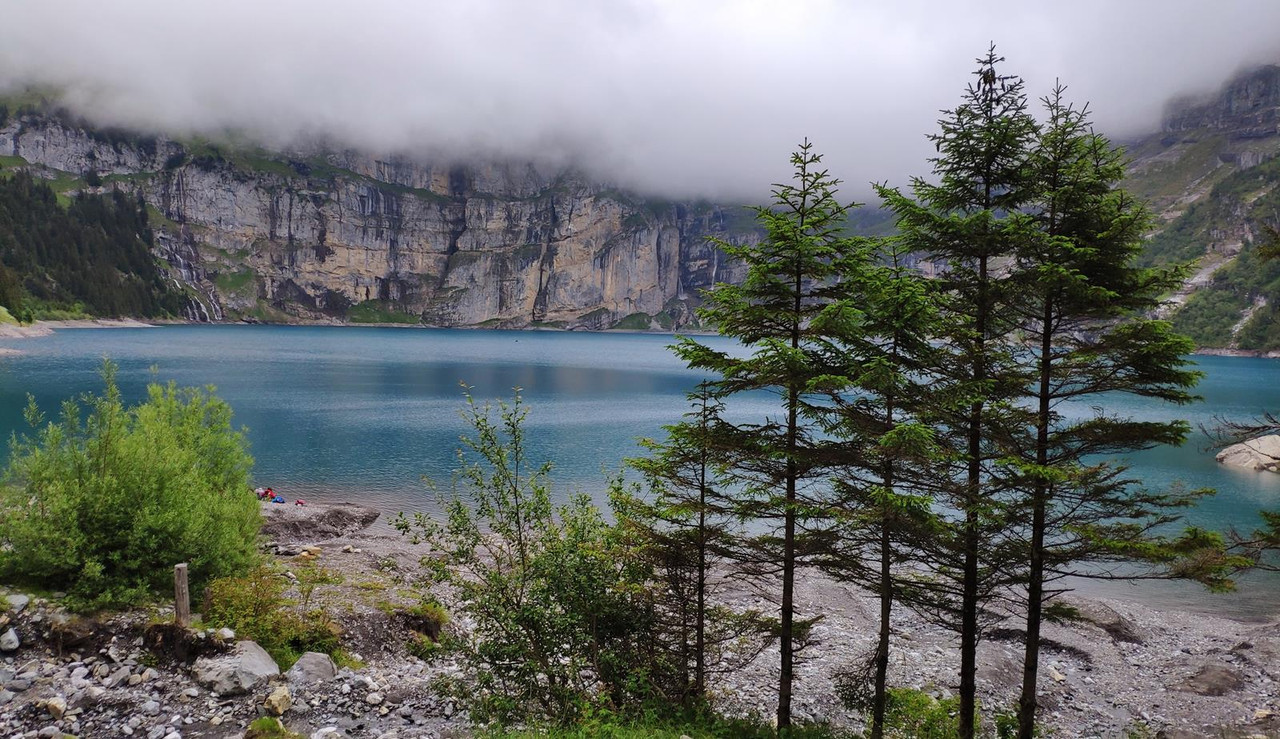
(1122, 666)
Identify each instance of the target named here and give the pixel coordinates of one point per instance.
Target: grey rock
(9, 641)
(239, 672)
(6, 696)
(119, 677)
(151, 708)
(373, 699)
(17, 602)
(225, 634)
(49, 732)
(312, 667)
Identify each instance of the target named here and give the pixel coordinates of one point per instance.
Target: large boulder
(312, 667)
(1262, 453)
(241, 671)
(1213, 680)
(284, 524)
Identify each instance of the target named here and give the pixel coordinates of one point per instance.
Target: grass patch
(377, 311)
(235, 282)
(634, 322)
(269, 727)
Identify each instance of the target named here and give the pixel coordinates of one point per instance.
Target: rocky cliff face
(1247, 107)
(347, 236)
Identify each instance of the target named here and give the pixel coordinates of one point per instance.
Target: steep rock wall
(315, 235)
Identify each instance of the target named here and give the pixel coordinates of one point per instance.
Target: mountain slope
(1212, 177)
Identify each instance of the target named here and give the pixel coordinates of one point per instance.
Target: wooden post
(181, 596)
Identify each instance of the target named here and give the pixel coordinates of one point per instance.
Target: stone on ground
(247, 667)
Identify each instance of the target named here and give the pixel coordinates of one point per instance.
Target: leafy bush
(103, 506)
(916, 714)
(254, 606)
(561, 614)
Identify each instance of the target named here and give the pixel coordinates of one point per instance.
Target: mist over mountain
(678, 98)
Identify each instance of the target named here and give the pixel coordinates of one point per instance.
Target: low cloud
(669, 96)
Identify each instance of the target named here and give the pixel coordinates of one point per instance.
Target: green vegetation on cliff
(1238, 306)
(92, 255)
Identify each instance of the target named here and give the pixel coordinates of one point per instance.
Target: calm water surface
(366, 413)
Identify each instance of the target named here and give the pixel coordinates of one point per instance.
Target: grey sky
(682, 97)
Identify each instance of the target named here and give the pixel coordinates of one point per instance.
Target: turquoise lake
(364, 414)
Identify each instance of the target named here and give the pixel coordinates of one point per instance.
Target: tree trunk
(1035, 575)
(700, 644)
(786, 633)
(972, 526)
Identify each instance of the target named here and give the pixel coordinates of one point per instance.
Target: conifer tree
(787, 314)
(1082, 322)
(888, 361)
(968, 224)
(686, 526)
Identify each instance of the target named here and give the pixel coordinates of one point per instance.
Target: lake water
(364, 414)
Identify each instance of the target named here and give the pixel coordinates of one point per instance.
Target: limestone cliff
(261, 235)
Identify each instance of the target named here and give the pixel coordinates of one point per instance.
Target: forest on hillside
(91, 256)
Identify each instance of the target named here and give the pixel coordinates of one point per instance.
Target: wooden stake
(181, 596)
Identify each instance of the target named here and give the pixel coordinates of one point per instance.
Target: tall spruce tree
(1081, 315)
(787, 313)
(888, 362)
(969, 225)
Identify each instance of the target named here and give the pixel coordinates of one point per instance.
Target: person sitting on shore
(299, 501)
(278, 498)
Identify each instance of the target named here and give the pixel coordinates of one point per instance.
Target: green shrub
(103, 505)
(661, 724)
(423, 647)
(562, 621)
(254, 606)
(269, 727)
(916, 714)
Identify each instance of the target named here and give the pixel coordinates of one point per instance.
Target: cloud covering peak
(670, 96)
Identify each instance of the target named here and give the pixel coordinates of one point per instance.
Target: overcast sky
(682, 97)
